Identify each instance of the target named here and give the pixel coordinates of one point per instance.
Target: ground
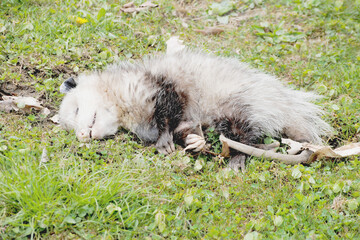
(119, 189)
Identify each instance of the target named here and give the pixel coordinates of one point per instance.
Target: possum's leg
(240, 131)
(238, 162)
(168, 114)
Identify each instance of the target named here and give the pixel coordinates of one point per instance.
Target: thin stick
(303, 157)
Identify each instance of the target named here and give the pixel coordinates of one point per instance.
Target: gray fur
(216, 88)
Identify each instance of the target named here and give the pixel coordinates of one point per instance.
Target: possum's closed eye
(76, 111)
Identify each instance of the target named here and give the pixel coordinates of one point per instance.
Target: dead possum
(163, 99)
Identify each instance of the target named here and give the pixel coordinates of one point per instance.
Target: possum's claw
(194, 142)
(166, 149)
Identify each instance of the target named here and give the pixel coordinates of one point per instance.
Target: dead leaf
(351, 149)
(20, 103)
(55, 118)
(24, 104)
(250, 14)
(131, 8)
(148, 4)
(210, 30)
(348, 150)
(338, 203)
(45, 111)
(225, 150)
(129, 5)
(6, 106)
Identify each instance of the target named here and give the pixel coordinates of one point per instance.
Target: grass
(119, 189)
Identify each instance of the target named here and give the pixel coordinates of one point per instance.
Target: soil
(12, 89)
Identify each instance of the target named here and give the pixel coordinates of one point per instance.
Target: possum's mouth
(91, 126)
(112, 136)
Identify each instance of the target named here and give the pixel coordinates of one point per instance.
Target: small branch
(303, 157)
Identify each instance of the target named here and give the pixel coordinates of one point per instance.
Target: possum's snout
(84, 135)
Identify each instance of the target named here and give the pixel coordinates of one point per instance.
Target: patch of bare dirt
(13, 89)
(338, 203)
(187, 8)
(62, 69)
(247, 15)
(27, 70)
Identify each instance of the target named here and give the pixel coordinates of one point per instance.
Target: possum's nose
(84, 135)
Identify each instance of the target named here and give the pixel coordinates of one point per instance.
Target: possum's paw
(165, 144)
(237, 162)
(194, 142)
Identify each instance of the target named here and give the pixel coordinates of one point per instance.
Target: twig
(303, 157)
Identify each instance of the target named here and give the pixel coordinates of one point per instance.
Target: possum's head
(85, 109)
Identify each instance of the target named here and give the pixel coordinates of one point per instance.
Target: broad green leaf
(225, 192)
(296, 173)
(268, 140)
(321, 88)
(336, 188)
(262, 177)
(335, 107)
(278, 220)
(188, 199)
(101, 13)
(160, 220)
(223, 20)
(29, 26)
(198, 165)
(69, 220)
(3, 148)
(339, 3)
(352, 204)
(252, 236)
(312, 180)
(111, 208)
(260, 29)
(270, 209)
(222, 8)
(103, 55)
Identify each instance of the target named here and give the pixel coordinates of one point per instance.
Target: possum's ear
(67, 85)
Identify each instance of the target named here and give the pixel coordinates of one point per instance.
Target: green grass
(117, 188)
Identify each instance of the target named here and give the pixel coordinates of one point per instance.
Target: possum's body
(166, 97)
